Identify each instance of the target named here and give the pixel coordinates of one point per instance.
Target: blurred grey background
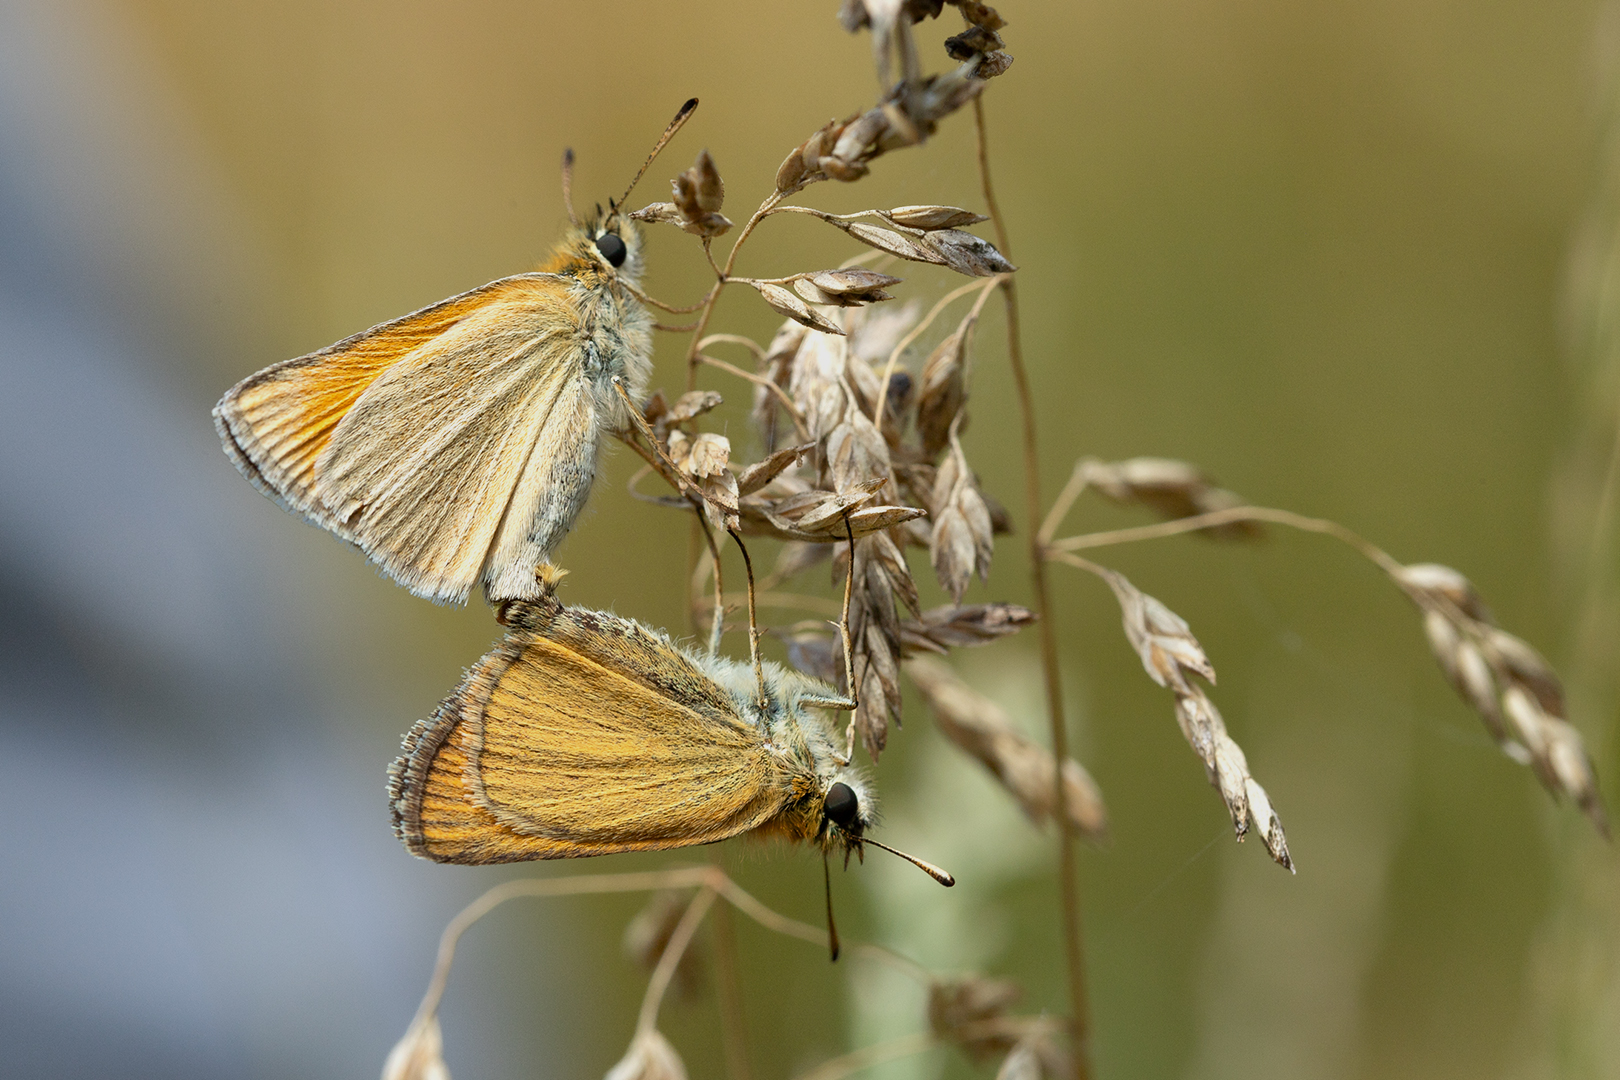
(1348, 256)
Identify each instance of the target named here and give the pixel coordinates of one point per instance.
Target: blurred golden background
(1330, 252)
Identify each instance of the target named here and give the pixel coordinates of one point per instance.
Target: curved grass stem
(1055, 549)
(711, 879)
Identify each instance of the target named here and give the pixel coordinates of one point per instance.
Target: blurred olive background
(1330, 252)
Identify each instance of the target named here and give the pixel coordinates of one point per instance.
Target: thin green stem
(1073, 940)
(733, 1025)
(694, 539)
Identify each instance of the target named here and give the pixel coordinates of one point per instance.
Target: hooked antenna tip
(942, 876)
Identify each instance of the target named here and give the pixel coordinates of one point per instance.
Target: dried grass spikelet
(419, 1055)
(1507, 682)
(929, 218)
(648, 933)
(882, 585)
(1228, 772)
(784, 302)
(756, 476)
(814, 650)
(963, 252)
(847, 287)
(698, 195)
(907, 115)
(943, 628)
(821, 516)
(980, 728)
(706, 459)
(970, 1012)
(942, 389)
(855, 454)
(981, 46)
(1160, 637)
(775, 366)
(1172, 489)
(650, 1057)
(962, 542)
(816, 382)
(664, 416)
(1171, 656)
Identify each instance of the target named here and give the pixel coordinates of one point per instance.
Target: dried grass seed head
(1172, 489)
(816, 382)
(1431, 582)
(928, 218)
(650, 1057)
(1227, 768)
(1516, 693)
(981, 729)
(1160, 637)
(419, 1055)
(962, 543)
(784, 302)
(823, 516)
(756, 476)
(942, 389)
(845, 287)
(965, 253)
(881, 585)
(970, 1013)
(940, 629)
(775, 366)
(698, 195)
(855, 453)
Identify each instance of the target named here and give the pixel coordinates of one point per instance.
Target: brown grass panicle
(861, 464)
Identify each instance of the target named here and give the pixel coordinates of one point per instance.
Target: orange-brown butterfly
(456, 446)
(583, 733)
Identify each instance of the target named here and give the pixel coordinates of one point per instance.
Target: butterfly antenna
(753, 625)
(941, 876)
(832, 928)
(568, 186)
(681, 117)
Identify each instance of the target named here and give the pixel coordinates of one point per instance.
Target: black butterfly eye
(612, 248)
(841, 806)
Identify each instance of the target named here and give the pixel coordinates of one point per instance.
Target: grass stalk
(1073, 940)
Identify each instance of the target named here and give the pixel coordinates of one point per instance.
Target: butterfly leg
(849, 703)
(753, 625)
(717, 624)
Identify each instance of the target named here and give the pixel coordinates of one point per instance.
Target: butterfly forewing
(552, 751)
(276, 424)
(426, 464)
(436, 441)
